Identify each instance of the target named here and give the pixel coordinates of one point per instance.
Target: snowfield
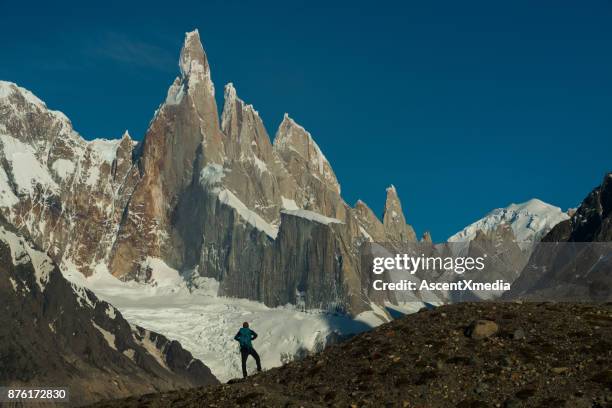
(205, 324)
(529, 221)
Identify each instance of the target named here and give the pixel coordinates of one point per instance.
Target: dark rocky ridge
(56, 334)
(592, 221)
(563, 266)
(542, 355)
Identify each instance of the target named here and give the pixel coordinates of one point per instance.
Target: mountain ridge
(201, 191)
(62, 334)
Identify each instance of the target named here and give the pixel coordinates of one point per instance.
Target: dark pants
(244, 353)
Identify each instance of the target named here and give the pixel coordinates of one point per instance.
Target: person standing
(245, 336)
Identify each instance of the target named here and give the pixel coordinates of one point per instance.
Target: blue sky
(464, 106)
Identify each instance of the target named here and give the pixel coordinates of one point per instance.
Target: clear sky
(464, 105)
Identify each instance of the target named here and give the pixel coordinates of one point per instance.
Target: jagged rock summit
(573, 263)
(208, 196)
(394, 220)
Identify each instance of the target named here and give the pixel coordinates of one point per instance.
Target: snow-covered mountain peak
(529, 221)
(533, 206)
(11, 93)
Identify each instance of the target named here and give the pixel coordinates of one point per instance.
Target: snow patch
(212, 174)
(148, 345)
(129, 353)
(13, 284)
(175, 93)
(162, 275)
(374, 317)
(111, 312)
(28, 171)
(260, 164)
(7, 197)
(106, 149)
(228, 198)
(365, 234)
(63, 168)
(93, 176)
(313, 216)
(108, 336)
(289, 204)
(22, 253)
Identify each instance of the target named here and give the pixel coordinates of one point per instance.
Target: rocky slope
(55, 333)
(517, 355)
(574, 260)
(210, 197)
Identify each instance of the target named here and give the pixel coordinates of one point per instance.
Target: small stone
(481, 329)
(519, 334)
(559, 370)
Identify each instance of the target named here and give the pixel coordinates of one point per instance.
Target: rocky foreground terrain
(518, 355)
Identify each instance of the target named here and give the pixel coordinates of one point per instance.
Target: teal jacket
(244, 337)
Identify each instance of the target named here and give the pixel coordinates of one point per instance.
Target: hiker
(245, 336)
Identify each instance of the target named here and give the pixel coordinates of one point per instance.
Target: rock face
(438, 366)
(67, 194)
(573, 261)
(209, 197)
(394, 221)
(58, 334)
(592, 221)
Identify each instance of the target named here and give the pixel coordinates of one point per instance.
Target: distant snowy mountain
(529, 222)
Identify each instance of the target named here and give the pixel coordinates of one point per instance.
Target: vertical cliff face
(209, 196)
(182, 136)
